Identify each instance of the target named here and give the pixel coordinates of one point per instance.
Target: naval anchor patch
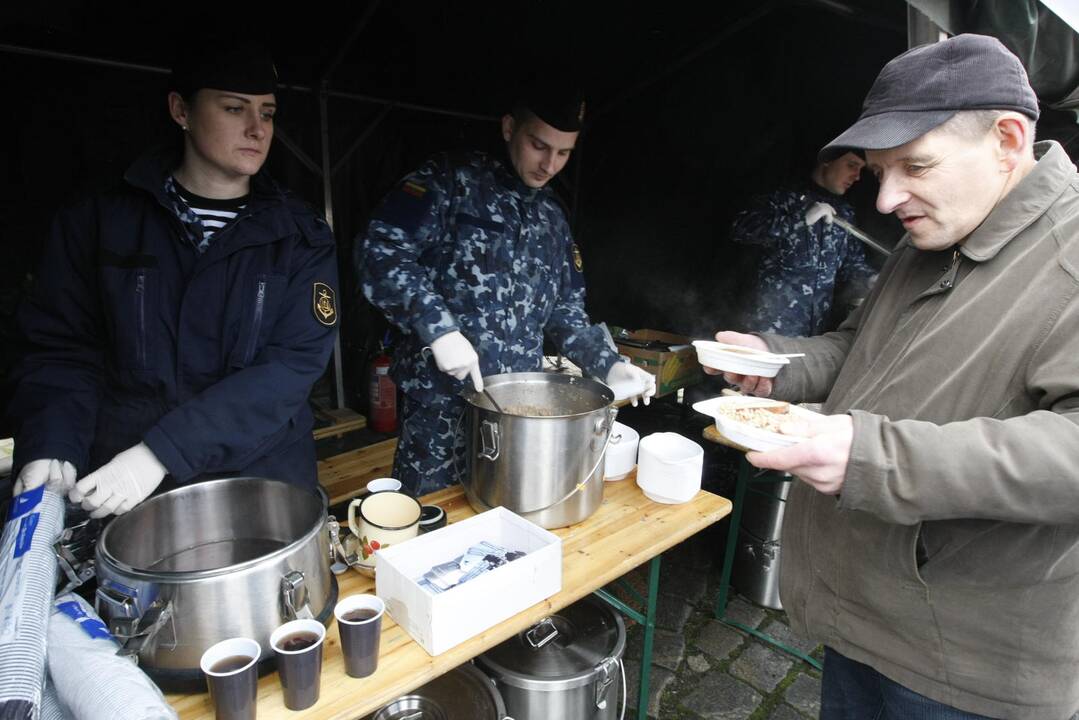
(578, 263)
(324, 304)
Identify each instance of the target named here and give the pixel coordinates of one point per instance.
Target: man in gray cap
(471, 257)
(932, 544)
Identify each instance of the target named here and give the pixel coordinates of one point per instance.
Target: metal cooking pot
(569, 666)
(209, 561)
(542, 456)
(463, 693)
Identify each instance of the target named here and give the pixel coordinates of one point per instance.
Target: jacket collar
(148, 173)
(509, 179)
(1024, 204)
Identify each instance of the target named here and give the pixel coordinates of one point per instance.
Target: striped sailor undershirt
(213, 214)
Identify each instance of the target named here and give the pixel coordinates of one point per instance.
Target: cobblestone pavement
(705, 669)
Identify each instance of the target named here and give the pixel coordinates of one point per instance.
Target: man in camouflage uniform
(472, 259)
(805, 256)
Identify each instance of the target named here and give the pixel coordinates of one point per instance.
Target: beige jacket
(962, 377)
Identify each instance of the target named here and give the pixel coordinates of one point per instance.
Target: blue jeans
(853, 691)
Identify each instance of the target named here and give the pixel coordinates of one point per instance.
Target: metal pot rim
(478, 401)
(558, 684)
(193, 575)
(472, 673)
(517, 679)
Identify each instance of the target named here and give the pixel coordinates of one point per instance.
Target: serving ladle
(493, 401)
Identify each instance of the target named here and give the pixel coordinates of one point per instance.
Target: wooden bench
(346, 475)
(342, 420)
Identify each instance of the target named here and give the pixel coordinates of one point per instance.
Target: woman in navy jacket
(165, 339)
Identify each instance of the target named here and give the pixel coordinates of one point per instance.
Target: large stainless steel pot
(209, 561)
(567, 667)
(463, 693)
(542, 456)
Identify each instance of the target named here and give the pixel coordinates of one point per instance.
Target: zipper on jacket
(256, 321)
(140, 319)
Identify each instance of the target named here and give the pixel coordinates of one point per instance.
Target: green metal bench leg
(732, 540)
(648, 620)
(649, 633)
(728, 566)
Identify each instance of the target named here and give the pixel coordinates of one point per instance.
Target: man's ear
(1012, 133)
(507, 127)
(178, 109)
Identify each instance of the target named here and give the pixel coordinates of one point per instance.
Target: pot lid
(589, 632)
(463, 693)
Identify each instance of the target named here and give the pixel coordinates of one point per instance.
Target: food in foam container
(755, 423)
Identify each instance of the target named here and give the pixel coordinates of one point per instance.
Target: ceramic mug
(382, 519)
(383, 484)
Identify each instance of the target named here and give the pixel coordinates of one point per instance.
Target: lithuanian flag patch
(414, 189)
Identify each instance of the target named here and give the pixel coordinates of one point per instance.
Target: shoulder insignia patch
(414, 189)
(578, 263)
(324, 304)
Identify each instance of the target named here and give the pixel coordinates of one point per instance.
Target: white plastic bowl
(669, 467)
(738, 359)
(621, 453)
(744, 434)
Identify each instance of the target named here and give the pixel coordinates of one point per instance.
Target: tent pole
(327, 177)
(285, 139)
(343, 158)
(327, 197)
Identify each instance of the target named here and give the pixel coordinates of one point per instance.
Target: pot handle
(544, 624)
(337, 548)
(605, 429)
(489, 437)
(607, 677)
(295, 597)
(76, 572)
(135, 631)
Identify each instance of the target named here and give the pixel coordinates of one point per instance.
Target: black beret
(223, 63)
(560, 106)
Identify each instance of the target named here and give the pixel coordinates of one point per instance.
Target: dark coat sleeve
(57, 382)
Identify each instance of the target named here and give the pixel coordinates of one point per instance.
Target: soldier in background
(471, 257)
(806, 261)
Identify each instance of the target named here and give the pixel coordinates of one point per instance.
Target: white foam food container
(669, 467)
(738, 359)
(744, 434)
(621, 452)
(441, 621)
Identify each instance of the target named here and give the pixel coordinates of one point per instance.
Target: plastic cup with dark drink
(359, 620)
(298, 646)
(231, 668)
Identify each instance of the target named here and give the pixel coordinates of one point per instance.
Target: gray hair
(974, 124)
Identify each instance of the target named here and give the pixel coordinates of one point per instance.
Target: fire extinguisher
(382, 413)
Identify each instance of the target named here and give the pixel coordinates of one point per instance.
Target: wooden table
(626, 531)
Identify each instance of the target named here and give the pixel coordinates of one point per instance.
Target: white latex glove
(818, 211)
(58, 476)
(121, 483)
(455, 356)
(629, 381)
